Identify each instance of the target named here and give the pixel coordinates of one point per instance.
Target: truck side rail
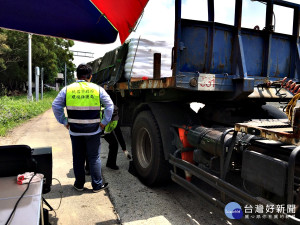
(232, 58)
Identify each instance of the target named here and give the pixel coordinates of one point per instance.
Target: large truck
(237, 148)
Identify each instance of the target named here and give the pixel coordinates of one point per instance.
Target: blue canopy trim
(72, 19)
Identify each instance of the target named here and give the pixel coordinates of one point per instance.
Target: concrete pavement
(76, 208)
(134, 202)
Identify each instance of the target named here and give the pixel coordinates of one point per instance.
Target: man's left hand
(102, 126)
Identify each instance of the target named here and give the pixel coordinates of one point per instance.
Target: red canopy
(73, 19)
(122, 14)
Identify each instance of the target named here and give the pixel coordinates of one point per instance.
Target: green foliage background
(47, 52)
(16, 109)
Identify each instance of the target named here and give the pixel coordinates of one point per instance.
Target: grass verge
(17, 109)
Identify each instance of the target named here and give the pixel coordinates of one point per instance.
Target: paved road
(77, 208)
(133, 202)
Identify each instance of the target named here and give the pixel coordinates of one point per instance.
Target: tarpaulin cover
(73, 19)
(110, 68)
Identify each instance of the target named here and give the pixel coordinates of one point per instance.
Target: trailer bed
(272, 129)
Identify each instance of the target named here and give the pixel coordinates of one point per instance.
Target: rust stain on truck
(167, 82)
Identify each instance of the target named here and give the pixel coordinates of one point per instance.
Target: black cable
(59, 192)
(284, 108)
(274, 21)
(274, 26)
(19, 200)
(50, 207)
(138, 22)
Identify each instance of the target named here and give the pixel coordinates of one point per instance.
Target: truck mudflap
(226, 188)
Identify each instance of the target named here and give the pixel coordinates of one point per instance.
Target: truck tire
(147, 150)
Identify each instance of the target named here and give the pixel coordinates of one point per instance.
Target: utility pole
(65, 74)
(37, 83)
(29, 96)
(42, 83)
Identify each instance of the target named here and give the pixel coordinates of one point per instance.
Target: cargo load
(134, 59)
(139, 61)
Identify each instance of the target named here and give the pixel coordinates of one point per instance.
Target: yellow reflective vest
(114, 120)
(83, 107)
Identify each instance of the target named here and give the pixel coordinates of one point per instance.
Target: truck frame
(241, 149)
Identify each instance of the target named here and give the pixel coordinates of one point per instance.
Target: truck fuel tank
(210, 139)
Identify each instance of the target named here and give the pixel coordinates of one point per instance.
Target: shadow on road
(63, 191)
(108, 222)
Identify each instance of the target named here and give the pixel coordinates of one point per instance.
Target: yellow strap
(291, 105)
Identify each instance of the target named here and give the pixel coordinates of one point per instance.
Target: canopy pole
(29, 96)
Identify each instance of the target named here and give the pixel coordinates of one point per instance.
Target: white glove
(127, 155)
(25, 178)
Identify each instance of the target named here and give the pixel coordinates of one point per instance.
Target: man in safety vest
(113, 135)
(82, 100)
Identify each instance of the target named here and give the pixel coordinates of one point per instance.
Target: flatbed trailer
(236, 147)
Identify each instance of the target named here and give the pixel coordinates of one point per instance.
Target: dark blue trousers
(90, 146)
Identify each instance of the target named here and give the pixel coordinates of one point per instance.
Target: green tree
(3, 49)
(52, 54)
(47, 52)
(13, 73)
(4, 52)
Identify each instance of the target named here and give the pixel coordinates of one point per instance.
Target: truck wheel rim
(144, 147)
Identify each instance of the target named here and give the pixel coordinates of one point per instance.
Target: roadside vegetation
(50, 53)
(14, 110)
